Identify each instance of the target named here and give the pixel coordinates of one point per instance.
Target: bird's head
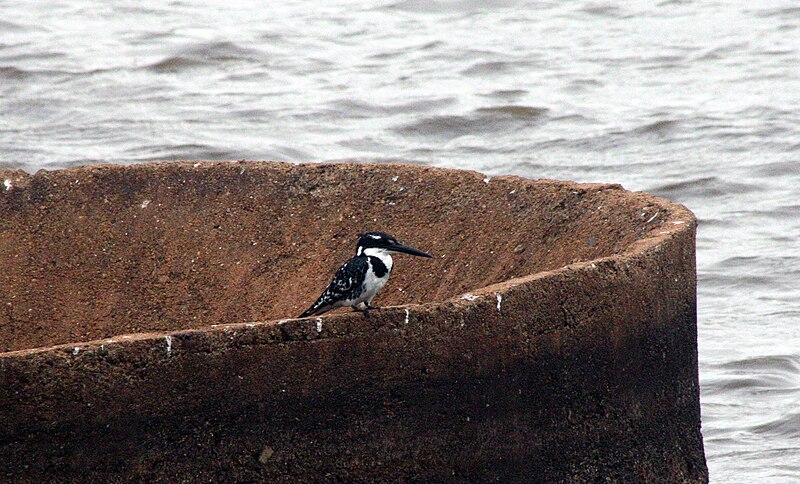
(380, 241)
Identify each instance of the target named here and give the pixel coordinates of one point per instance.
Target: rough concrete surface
(145, 316)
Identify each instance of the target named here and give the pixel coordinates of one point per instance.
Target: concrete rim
(679, 220)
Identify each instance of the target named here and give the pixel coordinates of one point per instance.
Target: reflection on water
(695, 101)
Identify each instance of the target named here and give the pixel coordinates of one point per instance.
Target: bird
(360, 278)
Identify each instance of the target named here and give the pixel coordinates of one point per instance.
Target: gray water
(696, 101)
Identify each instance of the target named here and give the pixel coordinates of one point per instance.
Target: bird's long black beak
(407, 249)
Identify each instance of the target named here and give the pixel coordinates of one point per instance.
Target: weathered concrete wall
(574, 358)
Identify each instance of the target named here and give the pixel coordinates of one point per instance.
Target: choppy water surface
(697, 101)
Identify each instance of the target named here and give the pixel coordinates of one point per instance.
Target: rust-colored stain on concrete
(144, 316)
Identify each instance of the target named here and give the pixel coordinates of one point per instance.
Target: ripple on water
(480, 121)
(660, 128)
(207, 53)
(581, 85)
(771, 264)
(703, 187)
(517, 112)
(761, 364)
(786, 426)
(789, 13)
(358, 108)
(12, 73)
(722, 51)
(603, 10)
(192, 151)
(482, 69)
(451, 6)
(506, 94)
(6, 26)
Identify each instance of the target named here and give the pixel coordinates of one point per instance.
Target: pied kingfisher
(360, 278)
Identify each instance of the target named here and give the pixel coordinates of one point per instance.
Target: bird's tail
(308, 312)
(317, 308)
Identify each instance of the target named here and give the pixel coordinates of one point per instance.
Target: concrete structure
(144, 333)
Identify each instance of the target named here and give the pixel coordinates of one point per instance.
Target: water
(697, 101)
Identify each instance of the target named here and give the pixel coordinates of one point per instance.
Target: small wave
(421, 106)
(575, 118)
(772, 265)
(789, 13)
(755, 383)
(6, 26)
(703, 187)
(457, 6)
(357, 109)
(738, 281)
(483, 120)
(722, 51)
(787, 425)
(661, 128)
(581, 85)
(507, 93)
(13, 73)
(607, 10)
(520, 112)
(780, 212)
(253, 114)
(205, 54)
(761, 364)
(715, 222)
(183, 152)
(777, 168)
(174, 64)
(788, 314)
(488, 68)
(352, 108)
(441, 126)
(405, 50)
(773, 375)
(764, 111)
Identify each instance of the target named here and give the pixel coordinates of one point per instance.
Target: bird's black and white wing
(346, 285)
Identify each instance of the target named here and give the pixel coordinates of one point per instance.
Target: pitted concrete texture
(146, 323)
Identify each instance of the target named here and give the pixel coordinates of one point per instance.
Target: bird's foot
(365, 311)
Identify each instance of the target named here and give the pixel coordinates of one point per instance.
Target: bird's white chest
(372, 282)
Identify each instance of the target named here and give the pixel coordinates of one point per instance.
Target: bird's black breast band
(378, 267)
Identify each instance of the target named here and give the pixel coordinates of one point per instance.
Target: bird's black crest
(374, 239)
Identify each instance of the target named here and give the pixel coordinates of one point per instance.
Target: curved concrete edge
(59, 195)
(680, 219)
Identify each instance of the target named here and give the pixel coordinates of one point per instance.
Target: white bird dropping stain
(499, 301)
(168, 339)
(469, 297)
(407, 317)
(319, 325)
